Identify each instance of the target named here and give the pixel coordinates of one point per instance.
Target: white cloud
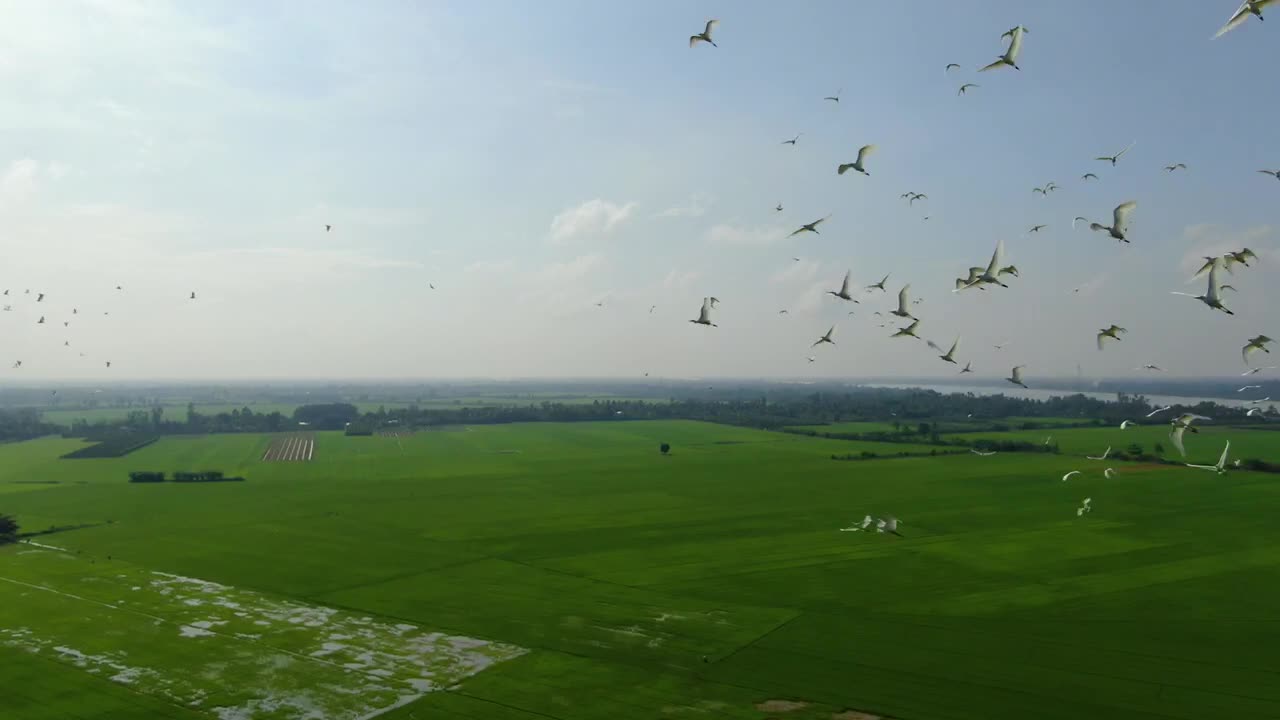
(680, 279)
(592, 216)
(23, 177)
(802, 272)
(726, 234)
(695, 208)
(295, 259)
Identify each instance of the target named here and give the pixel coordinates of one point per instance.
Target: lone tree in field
(8, 529)
(665, 448)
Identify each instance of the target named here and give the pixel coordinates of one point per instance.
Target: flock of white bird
(982, 277)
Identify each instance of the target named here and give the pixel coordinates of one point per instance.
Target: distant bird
(1119, 221)
(108, 363)
(965, 87)
(1112, 332)
(1085, 507)
(1242, 257)
(1015, 376)
(327, 228)
(889, 525)
(1124, 424)
(39, 297)
(968, 368)
(117, 287)
(705, 35)
(811, 227)
(1221, 466)
(782, 312)
(66, 343)
(1048, 440)
(1103, 456)
(1257, 370)
(1213, 295)
(949, 67)
(651, 307)
(66, 323)
(431, 285)
(1073, 472)
(983, 454)
(863, 153)
(1254, 412)
(825, 338)
(1000, 346)
(599, 303)
(880, 285)
(1157, 368)
(1113, 158)
(1247, 8)
(1109, 473)
(1037, 228)
(1256, 343)
(1181, 424)
(1260, 401)
(778, 208)
(917, 196)
(1010, 56)
(1048, 188)
(1175, 166)
(704, 317)
(193, 295)
(843, 293)
(836, 97)
(40, 321)
(1276, 173)
(904, 302)
(948, 356)
(1086, 176)
(1157, 411)
(812, 358)
(908, 331)
(793, 140)
(74, 311)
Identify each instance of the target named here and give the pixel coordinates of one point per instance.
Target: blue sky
(532, 160)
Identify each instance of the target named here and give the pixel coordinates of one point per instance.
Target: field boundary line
(505, 705)
(391, 578)
(765, 634)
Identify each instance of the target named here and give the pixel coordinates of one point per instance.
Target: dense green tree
(665, 448)
(8, 529)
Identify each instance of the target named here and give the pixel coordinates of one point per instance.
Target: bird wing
(1176, 437)
(1015, 45)
(705, 315)
(1235, 21)
(711, 25)
(1120, 217)
(954, 345)
(1017, 374)
(865, 151)
(997, 258)
(933, 345)
(1214, 293)
(904, 298)
(1122, 152)
(992, 66)
(844, 287)
(1073, 472)
(1223, 460)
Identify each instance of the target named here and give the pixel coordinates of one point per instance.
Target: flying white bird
(1249, 387)
(1015, 377)
(1124, 424)
(1213, 295)
(949, 66)
(1259, 402)
(1181, 424)
(1010, 56)
(836, 97)
(1037, 228)
(992, 273)
(811, 227)
(908, 331)
(826, 338)
(1276, 173)
(1084, 507)
(1157, 368)
(1048, 188)
(1175, 166)
(1159, 410)
(983, 454)
(812, 358)
(1256, 343)
(904, 302)
(889, 525)
(1119, 221)
(863, 152)
(1112, 332)
(965, 87)
(1254, 412)
(1103, 456)
(1257, 370)
(880, 285)
(1073, 472)
(1109, 473)
(1247, 8)
(1048, 440)
(1113, 158)
(949, 356)
(1241, 256)
(843, 294)
(705, 35)
(704, 317)
(1221, 466)
(1086, 177)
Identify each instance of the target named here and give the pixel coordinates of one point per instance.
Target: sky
(531, 161)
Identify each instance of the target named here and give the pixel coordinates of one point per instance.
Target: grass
(946, 426)
(619, 569)
(1202, 447)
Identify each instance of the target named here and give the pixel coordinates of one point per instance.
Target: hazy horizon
(530, 165)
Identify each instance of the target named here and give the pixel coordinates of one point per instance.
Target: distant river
(1036, 394)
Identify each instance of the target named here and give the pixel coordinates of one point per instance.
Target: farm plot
(297, 447)
(232, 653)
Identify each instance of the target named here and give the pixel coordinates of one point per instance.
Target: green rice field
(573, 572)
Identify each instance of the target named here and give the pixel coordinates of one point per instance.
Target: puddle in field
(258, 656)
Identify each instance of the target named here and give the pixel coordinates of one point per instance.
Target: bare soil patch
(781, 706)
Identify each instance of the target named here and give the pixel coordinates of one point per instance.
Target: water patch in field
(238, 654)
